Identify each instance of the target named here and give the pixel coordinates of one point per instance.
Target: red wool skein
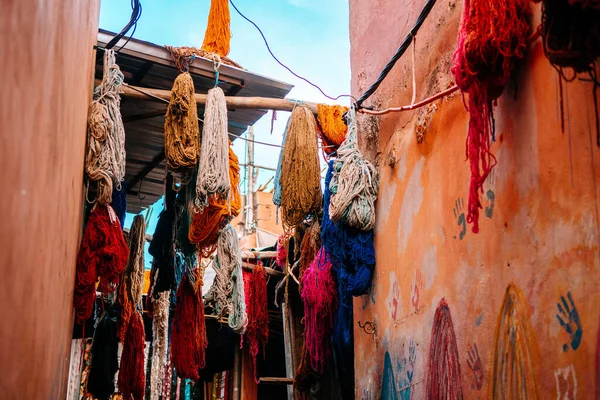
(132, 377)
(103, 253)
(492, 36)
(257, 330)
(188, 332)
(319, 295)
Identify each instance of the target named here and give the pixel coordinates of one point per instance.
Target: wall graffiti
(566, 383)
(568, 317)
(417, 288)
(444, 378)
(459, 214)
(475, 365)
(512, 373)
(393, 299)
(397, 385)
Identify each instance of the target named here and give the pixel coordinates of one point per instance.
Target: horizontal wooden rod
(252, 255)
(233, 102)
(280, 381)
(270, 271)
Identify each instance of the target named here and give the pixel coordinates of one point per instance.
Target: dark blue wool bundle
(101, 380)
(350, 249)
(119, 203)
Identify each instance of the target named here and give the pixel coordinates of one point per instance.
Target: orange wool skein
(218, 33)
(206, 223)
(333, 129)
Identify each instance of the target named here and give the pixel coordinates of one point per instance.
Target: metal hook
(369, 327)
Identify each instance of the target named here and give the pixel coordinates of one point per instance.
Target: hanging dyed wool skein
(182, 143)
(101, 380)
(277, 180)
(213, 171)
(492, 37)
(132, 380)
(105, 155)
(103, 253)
(333, 129)
(354, 184)
(188, 330)
(208, 221)
(257, 331)
(300, 170)
(319, 295)
(309, 247)
(160, 335)
(218, 36)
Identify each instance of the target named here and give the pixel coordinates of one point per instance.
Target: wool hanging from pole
(333, 130)
(213, 171)
(101, 379)
(277, 180)
(119, 203)
(218, 35)
(105, 154)
(160, 332)
(351, 250)
(182, 134)
(209, 220)
(300, 171)
(354, 185)
(257, 331)
(102, 254)
(282, 243)
(132, 380)
(309, 247)
(491, 38)
(188, 330)
(319, 295)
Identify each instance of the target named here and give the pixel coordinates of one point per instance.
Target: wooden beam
(277, 381)
(270, 271)
(233, 102)
(253, 255)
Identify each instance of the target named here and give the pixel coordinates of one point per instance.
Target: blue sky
(310, 36)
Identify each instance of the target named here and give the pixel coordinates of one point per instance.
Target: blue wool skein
(119, 204)
(350, 249)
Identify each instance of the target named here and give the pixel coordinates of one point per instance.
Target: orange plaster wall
(539, 234)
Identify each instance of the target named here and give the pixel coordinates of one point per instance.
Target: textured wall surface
(476, 315)
(46, 68)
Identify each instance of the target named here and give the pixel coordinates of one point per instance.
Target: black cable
(401, 50)
(285, 66)
(136, 13)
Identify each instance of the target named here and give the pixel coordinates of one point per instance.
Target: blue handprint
(570, 321)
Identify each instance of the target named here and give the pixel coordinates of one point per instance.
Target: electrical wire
(136, 13)
(285, 66)
(399, 53)
(411, 106)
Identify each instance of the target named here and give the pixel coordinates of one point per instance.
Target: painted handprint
(393, 299)
(459, 214)
(491, 196)
(419, 284)
(569, 319)
(474, 363)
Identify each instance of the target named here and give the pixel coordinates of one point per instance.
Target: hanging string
(208, 221)
(189, 341)
(102, 254)
(160, 332)
(332, 127)
(354, 185)
(257, 330)
(492, 36)
(319, 295)
(213, 176)
(182, 143)
(105, 155)
(300, 170)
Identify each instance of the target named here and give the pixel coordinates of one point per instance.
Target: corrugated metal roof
(149, 65)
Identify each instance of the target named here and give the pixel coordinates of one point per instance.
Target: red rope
(257, 331)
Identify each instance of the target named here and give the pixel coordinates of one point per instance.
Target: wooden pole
(233, 102)
(250, 226)
(237, 373)
(269, 271)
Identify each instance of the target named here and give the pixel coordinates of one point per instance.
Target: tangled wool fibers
(218, 34)
(333, 129)
(213, 171)
(188, 341)
(132, 379)
(209, 220)
(571, 33)
(300, 170)
(105, 155)
(257, 331)
(319, 295)
(309, 247)
(230, 261)
(351, 250)
(160, 332)
(277, 179)
(282, 242)
(354, 185)
(101, 380)
(184, 56)
(492, 36)
(103, 253)
(182, 143)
